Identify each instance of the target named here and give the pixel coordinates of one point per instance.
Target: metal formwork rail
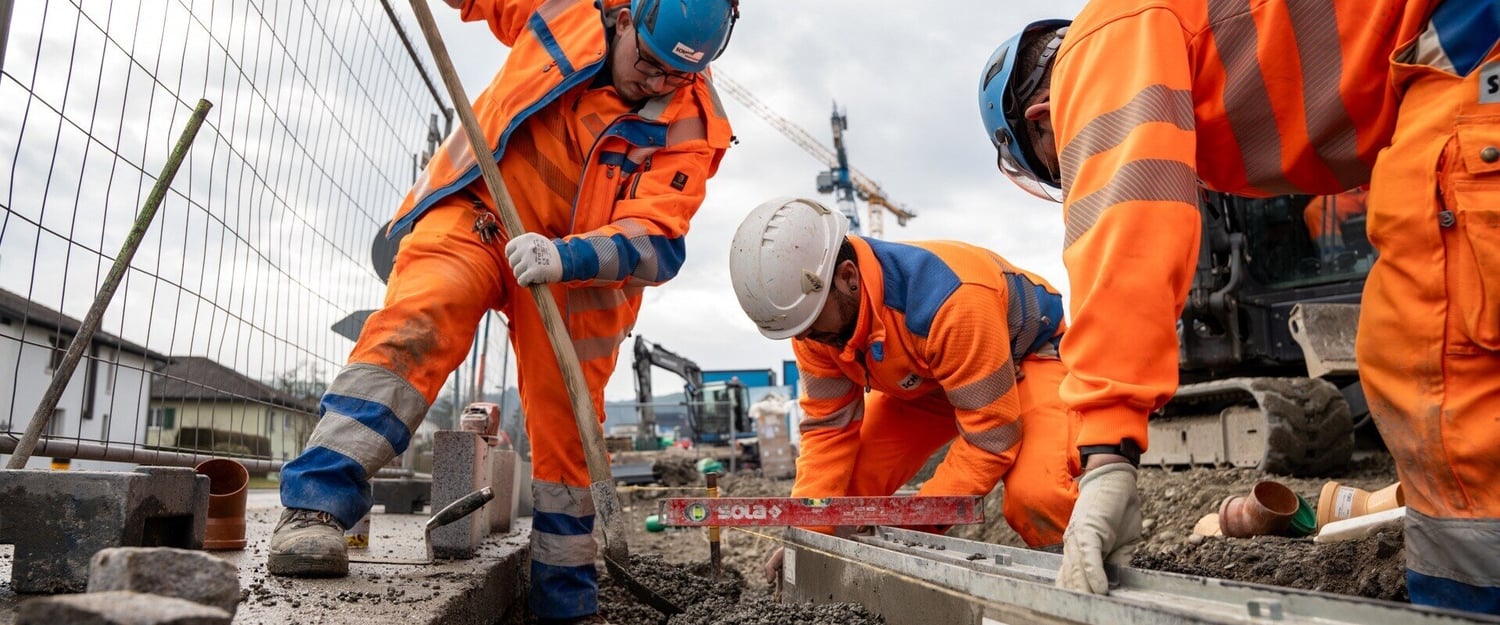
(913, 577)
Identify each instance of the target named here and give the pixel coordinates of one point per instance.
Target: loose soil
(1172, 502)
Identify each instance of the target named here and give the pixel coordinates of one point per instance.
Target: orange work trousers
(898, 436)
(444, 281)
(1429, 335)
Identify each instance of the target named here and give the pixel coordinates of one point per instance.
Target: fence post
(5, 11)
(106, 293)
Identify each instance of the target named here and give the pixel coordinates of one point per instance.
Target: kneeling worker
(903, 347)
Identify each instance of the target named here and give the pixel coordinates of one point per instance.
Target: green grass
(264, 483)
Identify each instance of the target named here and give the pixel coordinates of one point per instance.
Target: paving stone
(191, 575)
(118, 608)
(57, 520)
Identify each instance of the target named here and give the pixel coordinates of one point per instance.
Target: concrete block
(502, 509)
(118, 608)
(460, 465)
(402, 496)
(523, 488)
(58, 520)
(192, 575)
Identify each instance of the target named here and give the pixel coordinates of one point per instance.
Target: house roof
(13, 306)
(193, 377)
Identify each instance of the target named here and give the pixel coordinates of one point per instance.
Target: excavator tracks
(1288, 426)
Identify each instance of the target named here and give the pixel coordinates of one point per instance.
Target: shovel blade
(648, 596)
(608, 512)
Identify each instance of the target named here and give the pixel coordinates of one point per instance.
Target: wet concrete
(482, 591)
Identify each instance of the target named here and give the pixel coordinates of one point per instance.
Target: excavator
(717, 412)
(1267, 338)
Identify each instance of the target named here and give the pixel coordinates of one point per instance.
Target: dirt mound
(1372, 567)
(765, 612)
(709, 602)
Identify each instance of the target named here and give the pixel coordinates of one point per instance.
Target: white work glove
(534, 259)
(1105, 527)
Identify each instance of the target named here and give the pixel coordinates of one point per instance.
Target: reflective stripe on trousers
(564, 583)
(368, 415)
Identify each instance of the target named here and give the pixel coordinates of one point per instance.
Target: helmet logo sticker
(910, 381)
(688, 54)
(811, 283)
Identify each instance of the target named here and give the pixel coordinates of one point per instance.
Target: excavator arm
(647, 355)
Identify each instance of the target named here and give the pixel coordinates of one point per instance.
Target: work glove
(534, 259)
(1105, 527)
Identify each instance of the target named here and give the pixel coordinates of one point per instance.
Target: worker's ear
(1041, 110)
(846, 276)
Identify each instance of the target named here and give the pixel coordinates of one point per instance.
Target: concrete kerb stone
(118, 608)
(403, 495)
(460, 465)
(58, 520)
(502, 509)
(192, 575)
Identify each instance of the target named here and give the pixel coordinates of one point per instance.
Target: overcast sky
(907, 75)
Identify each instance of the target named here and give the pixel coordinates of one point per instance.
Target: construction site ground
(490, 588)
(481, 591)
(1172, 502)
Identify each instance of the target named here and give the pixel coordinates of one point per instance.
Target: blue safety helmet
(1003, 93)
(685, 34)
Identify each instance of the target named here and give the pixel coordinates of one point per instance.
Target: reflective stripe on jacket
(1253, 97)
(640, 182)
(935, 317)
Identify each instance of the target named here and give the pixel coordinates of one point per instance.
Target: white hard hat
(782, 262)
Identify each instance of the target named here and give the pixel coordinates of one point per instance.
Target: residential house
(105, 400)
(198, 404)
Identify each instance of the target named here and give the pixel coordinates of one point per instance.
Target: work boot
(308, 543)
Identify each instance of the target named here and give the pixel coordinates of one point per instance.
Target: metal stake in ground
(714, 556)
(106, 293)
(606, 502)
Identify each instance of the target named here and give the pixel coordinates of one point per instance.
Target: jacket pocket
(1477, 292)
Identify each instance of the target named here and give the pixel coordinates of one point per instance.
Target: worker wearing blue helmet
(605, 126)
(1134, 107)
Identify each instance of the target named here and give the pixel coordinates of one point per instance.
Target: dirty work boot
(308, 543)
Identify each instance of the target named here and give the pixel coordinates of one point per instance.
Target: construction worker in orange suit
(904, 347)
(1128, 109)
(605, 126)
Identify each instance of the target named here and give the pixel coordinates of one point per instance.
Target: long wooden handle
(562, 343)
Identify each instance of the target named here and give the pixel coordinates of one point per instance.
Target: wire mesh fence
(222, 334)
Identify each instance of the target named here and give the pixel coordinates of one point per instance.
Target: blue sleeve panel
(650, 260)
(917, 282)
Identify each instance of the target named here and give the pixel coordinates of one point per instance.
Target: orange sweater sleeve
(506, 18)
(833, 411)
(1123, 113)
(969, 348)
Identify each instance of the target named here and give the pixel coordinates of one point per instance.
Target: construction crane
(845, 182)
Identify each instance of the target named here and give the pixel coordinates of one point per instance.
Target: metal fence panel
(219, 340)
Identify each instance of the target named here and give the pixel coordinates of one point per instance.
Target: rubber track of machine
(1311, 430)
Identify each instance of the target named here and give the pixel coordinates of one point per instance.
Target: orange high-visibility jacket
(1149, 98)
(642, 180)
(935, 317)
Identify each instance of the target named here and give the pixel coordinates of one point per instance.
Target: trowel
(460, 508)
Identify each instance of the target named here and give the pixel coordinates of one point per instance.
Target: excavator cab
(1266, 340)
